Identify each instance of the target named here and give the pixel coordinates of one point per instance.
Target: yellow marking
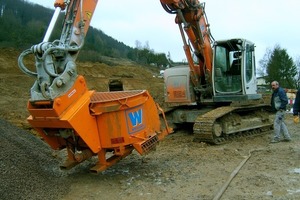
(89, 14)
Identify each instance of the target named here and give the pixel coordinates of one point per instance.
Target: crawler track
(228, 122)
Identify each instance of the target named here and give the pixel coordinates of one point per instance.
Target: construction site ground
(178, 169)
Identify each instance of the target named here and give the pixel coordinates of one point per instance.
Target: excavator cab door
(249, 72)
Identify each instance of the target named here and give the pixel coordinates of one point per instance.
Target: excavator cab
(233, 75)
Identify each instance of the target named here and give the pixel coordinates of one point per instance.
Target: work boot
(287, 140)
(275, 140)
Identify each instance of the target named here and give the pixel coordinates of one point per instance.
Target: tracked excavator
(217, 91)
(67, 115)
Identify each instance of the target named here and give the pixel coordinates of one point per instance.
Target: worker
(279, 101)
(296, 108)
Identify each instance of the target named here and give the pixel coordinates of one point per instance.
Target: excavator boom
(192, 22)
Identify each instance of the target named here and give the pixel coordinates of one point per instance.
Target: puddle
(269, 193)
(293, 191)
(296, 171)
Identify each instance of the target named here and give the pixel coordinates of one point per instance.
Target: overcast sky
(264, 22)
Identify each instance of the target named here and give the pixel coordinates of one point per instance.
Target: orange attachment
(127, 117)
(90, 123)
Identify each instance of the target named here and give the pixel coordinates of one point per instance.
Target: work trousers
(280, 126)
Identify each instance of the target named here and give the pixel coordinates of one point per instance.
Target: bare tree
(263, 63)
(138, 44)
(297, 63)
(147, 46)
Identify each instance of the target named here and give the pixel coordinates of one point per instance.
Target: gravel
(27, 169)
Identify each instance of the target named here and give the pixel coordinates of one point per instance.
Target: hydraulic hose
(233, 174)
(21, 63)
(168, 9)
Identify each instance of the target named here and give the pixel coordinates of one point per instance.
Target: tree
(263, 63)
(23, 24)
(297, 63)
(280, 67)
(138, 44)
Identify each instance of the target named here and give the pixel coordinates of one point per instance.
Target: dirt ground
(178, 169)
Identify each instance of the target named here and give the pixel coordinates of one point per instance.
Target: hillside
(15, 85)
(24, 24)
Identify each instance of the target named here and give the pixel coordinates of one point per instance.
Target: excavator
(217, 91)
(218, 94)
(67, 115)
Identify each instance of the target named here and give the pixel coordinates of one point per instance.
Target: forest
(24, 24)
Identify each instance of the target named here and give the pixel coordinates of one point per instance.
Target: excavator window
(235, 68)
(248, 68)
(227, 70)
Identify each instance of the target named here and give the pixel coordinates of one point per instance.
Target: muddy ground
(178, 169)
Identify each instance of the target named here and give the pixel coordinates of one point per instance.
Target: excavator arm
(56, 70)
(192, 22)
